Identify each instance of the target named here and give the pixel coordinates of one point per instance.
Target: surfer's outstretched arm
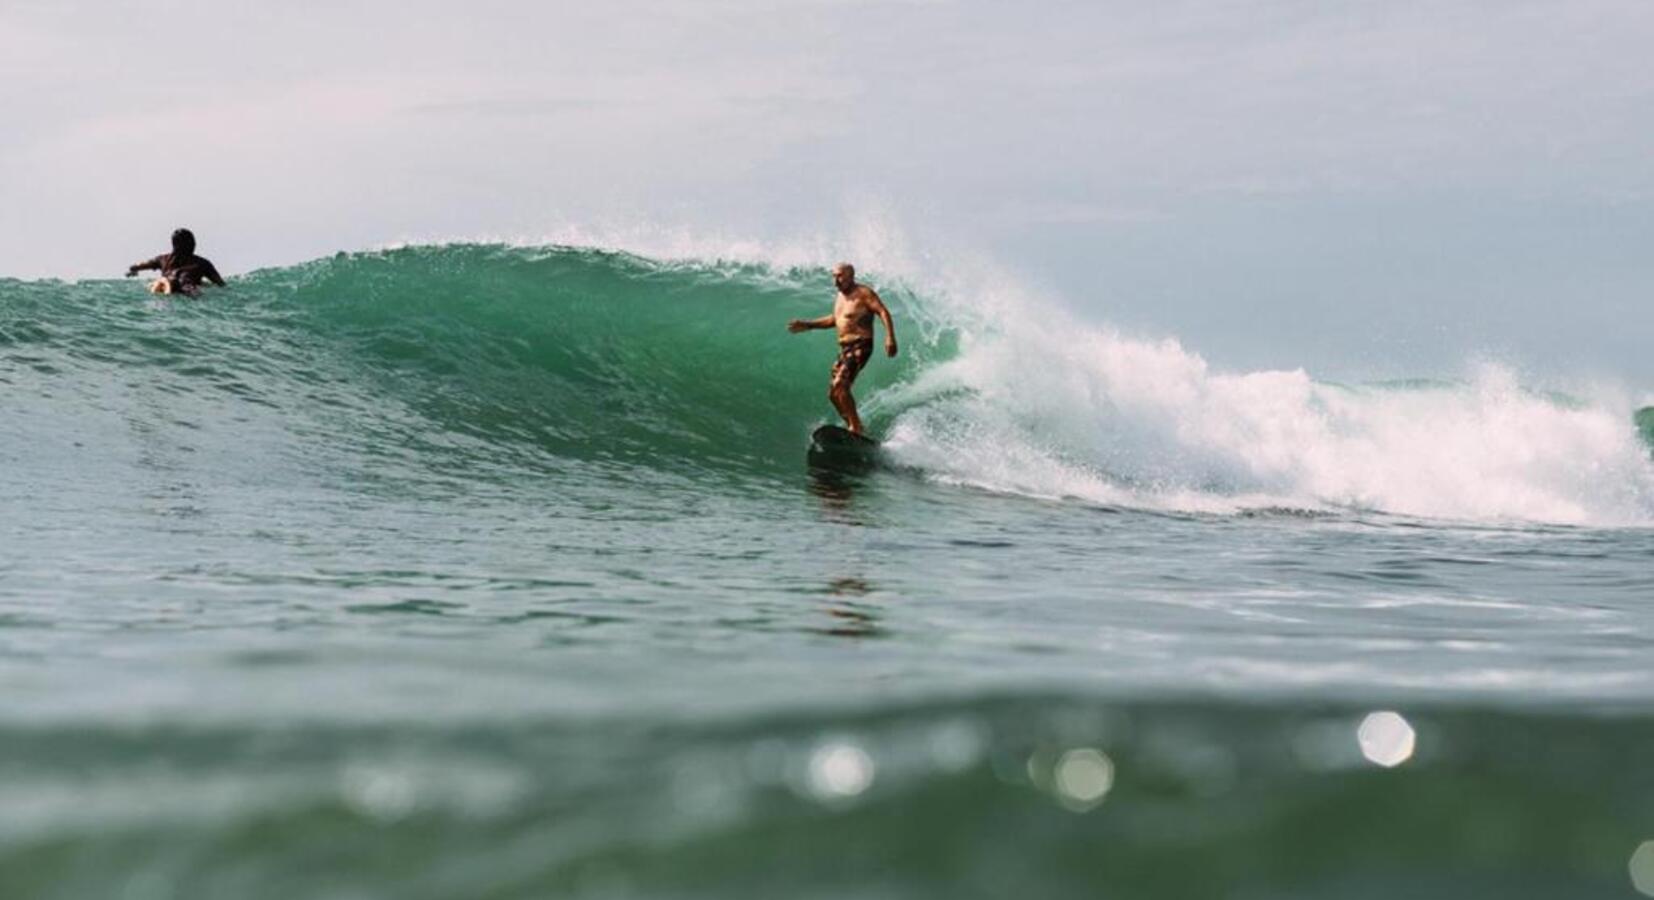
(135, 268)
(797, 325)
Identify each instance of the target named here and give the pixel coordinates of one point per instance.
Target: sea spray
(1038, 403)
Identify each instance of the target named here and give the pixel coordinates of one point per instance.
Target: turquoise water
(498, 572)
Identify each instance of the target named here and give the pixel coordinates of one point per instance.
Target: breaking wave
(469, 356)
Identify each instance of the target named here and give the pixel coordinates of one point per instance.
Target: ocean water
(498, 572)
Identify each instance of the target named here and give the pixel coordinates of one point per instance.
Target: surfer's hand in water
(890, 347)
(797, 325)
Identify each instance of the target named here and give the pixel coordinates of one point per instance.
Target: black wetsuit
(186, 272)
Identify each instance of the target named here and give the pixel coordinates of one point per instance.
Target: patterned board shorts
(852, 357)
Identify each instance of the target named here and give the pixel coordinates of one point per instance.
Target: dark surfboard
(832, 447)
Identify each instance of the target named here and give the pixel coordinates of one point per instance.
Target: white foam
(1038, 403)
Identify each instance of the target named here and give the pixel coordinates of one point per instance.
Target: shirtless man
(853, 312)
(181, 270)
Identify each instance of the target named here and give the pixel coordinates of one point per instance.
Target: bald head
(844, 276)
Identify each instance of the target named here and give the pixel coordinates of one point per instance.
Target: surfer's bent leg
(852, 356)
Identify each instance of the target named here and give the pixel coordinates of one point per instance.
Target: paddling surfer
(853, 312)
(182, 272)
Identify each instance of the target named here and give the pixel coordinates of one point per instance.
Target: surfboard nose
(833, 447)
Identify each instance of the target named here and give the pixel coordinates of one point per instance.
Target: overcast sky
(1365, 189)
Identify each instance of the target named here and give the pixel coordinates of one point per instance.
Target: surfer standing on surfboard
(182, 272)
(853, 312)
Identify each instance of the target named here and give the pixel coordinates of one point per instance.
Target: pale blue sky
(1364, 189)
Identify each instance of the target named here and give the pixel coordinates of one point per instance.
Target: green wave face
(487, 353)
